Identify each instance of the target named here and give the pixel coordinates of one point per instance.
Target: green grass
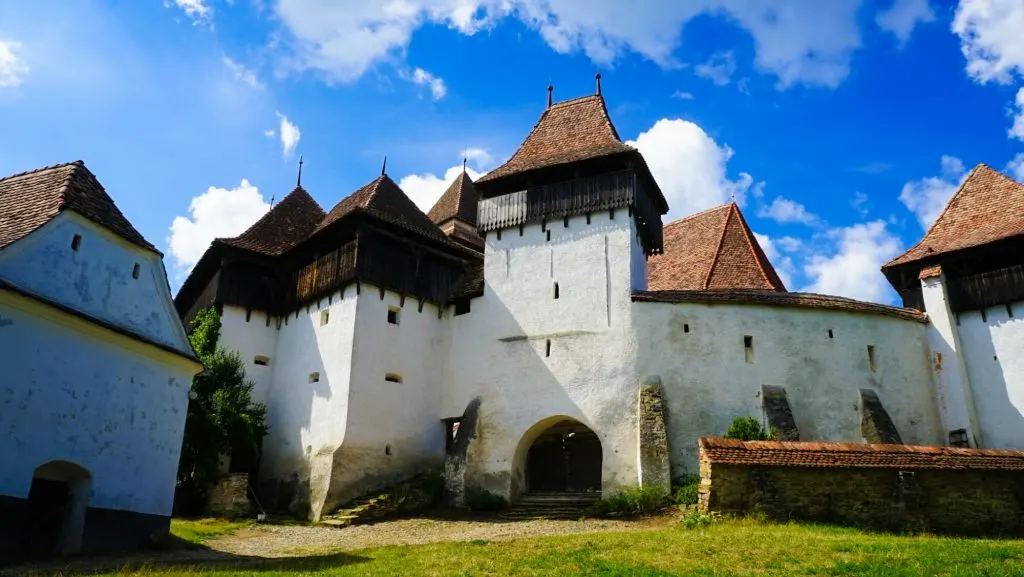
(734, 547)
(199, 530)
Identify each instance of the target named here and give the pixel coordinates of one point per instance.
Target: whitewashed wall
(708, 381)
(251, 335)
(993, 350)
(498, 350)
(75, 392)
(97, 278)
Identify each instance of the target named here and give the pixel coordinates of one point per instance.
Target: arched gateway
(560, 455)
(57, 502)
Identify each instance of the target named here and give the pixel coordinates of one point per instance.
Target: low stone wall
(891, 487)
(229, 497)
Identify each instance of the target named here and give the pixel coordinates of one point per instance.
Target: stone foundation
(655, 469)
(229, 497)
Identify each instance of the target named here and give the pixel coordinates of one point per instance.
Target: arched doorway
(57, 501)
(564, 458)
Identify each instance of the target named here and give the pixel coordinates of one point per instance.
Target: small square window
(314, 377)
(461, 307)
(393, 315)
(325, 316)
(261, 360)
(393, 378)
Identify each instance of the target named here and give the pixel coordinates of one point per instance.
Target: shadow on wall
(992, 376)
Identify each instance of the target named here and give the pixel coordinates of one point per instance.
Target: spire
(464, 160)
(384, 167)
(550, 89)
(298, 183)
(598, 77)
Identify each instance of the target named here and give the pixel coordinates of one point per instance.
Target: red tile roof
(778, 299)
(714, 249)
(31, 199)
(987, 208)
(384, 200)
(856, 455)
(569, 131)
(459, 201)
(288, 223)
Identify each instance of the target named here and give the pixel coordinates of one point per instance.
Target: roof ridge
(718, 251)
(575, 100)
(696, 214)
(43, 169)
(751, 242)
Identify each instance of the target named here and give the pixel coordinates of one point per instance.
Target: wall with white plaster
(97, 278)
(498, 351)
(708, 381)
(75, 392)
(251, 334)
(993, 350)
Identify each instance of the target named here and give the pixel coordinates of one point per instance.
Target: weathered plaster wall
(75, 392)
(252, 335)
(500, 350)
(97, 278)
(993, 350)
(698, 350)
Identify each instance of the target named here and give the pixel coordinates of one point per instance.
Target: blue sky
(841, 127)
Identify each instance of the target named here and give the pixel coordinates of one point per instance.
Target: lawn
(197, 531)
(733, 547)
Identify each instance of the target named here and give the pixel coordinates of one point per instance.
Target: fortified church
(541, 329)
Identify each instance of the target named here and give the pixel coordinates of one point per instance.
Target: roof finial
(598, 83)
(465, 158)
(732, 197)
(550, 89)
(272, 201)
(384, 167)
(298, 183)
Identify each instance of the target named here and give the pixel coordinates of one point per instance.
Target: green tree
(222, 418)
(748, 429)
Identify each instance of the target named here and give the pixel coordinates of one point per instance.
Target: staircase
(409, 497)
(571, 506)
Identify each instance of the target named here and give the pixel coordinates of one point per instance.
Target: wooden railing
(988, 289)
(324, 275)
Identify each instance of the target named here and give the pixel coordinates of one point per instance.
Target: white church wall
(698, 350)
(97, 277)
(253, 335)
(500, 350)
(993, 350)
(76, 392)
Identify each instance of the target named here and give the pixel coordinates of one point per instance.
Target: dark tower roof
(288, 223)
(714, 249)
(459, 201)
(31, 199)
(384, 200)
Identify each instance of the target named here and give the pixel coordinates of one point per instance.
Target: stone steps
(410, 496)
(551, 506)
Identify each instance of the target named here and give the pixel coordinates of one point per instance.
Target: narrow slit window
(314, 377)
(325, 317)
(136, 270)
(830, 333)
(387, 450)
(393, 315)
(556, 290)
(871, 358)
(76, 242)
(248, 315)
(499, 234)
(748, 348)
(549, 235)
(686, 328)
(547, 348)
(261, 360)
(393, 378)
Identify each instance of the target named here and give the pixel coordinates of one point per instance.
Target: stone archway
(57, 502)
(560, 455)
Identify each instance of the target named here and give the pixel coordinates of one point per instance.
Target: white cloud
(799, 41)
(901, 18)
(243, 74)
(198, 10)
(859, 202)
(1017, 130)
(782, 264)
(682, 95)
(789, 243)
(290, 135)
(1015, 167)
(785, 210)
(479, 158)
(718, 69)
(927, 197)
(991, 38)
(689, 166)
(13, 68)
(423, 78)
(425, 189)
(850, 265)
(217, 213)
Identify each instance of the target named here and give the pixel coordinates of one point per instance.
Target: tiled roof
(714, 249)
(987, 208)
(856, 456)
(30, 199)
(459, 201)
(471, 284)
(569, 131)
(384, 200)
(286, 224)
(780, 299)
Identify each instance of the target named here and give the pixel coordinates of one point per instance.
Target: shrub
(686, 490)
(631, 501)
(478, 499)
(749, 429)
(696, 519)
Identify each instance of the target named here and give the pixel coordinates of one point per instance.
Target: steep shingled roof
(459, 201)
(987, 208)
(383, 199)
(856, 456)
(568, 131)
(714, 249)
(31, 199)
(288, 223)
